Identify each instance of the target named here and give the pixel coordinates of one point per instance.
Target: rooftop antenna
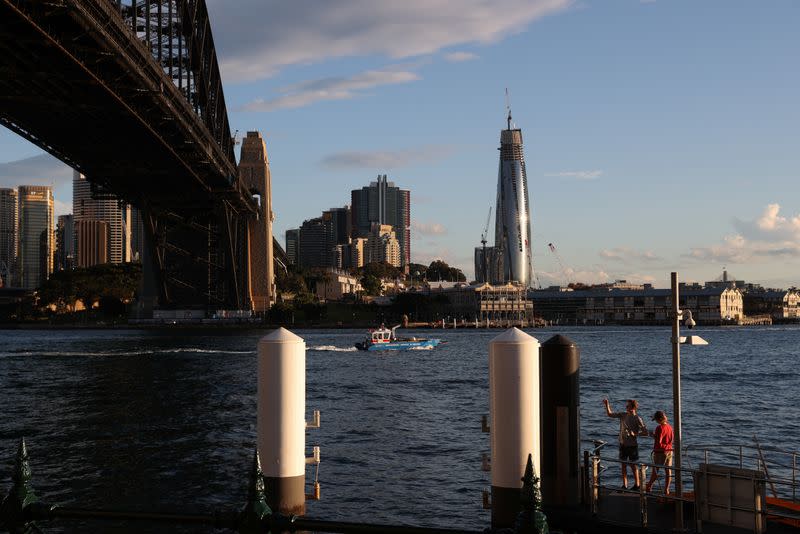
(508, 108)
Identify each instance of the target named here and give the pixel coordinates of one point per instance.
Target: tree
(371, 284)
(381, 269)
(439, 270)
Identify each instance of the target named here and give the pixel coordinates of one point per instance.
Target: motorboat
(386, 339)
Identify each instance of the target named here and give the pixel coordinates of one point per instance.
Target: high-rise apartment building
(322, 241)
(92, 238)
(382, 245)
(107, 209)
(512, 245)
(293, 245)
(9, 240)
(313, 250)
(137, 234)
(36, 236)
(65, 243)
(383, 203)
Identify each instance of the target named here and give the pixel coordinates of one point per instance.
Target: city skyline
(659, 135)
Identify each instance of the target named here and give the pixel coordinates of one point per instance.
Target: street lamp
(677, 340)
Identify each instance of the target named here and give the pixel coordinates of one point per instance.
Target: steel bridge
(129, 93)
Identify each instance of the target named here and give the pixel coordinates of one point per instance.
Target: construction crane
(564, 271)
(483, 242)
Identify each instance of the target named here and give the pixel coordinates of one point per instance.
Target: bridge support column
(150, 286)
(254, 174)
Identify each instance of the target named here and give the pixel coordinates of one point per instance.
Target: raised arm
(608, 408)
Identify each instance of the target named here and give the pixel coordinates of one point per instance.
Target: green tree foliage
(417, 271)
(381, 270)
(112, 285)
(290, 281)
(439, 270)
(371, 284)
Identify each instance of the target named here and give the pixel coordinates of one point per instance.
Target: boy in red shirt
(662, 450)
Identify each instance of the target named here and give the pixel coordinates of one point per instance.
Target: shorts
(629, 453)
(662, 457)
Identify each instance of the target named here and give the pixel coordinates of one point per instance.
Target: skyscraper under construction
(512, 242)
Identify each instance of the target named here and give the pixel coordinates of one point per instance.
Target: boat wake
(332, 348)
(144, 352)
(423, 347)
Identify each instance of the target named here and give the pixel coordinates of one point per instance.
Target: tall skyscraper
(65, 243)
(137, 234)
(92, 238)
(36, 236)
(383, 203)
(293, 245)
(313, 250)
(512, 245)
(107, 209)
(9, 221)
(382, 245)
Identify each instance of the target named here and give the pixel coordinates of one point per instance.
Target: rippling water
(147, 420)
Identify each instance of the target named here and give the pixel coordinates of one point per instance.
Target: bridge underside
(76, 81)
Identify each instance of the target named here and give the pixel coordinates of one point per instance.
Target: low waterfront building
(337, 284)
(714, 305)
(780, 304)
(495, 304)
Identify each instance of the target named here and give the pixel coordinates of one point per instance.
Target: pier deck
(620, 512)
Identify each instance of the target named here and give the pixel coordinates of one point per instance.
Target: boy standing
(662, 450)
(630, 426)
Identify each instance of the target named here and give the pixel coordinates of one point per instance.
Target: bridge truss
(129, 93)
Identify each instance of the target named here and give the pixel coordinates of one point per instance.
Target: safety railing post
(642, 495)
(595, 484)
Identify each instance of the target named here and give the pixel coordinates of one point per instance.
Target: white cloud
(457, 57)
(432, 228)
(581, 175)
(62, 208)
(43, 169)
(626, 255)
(309, 92)
(570, 275)
(257, 38)
(383, 160)
(767, 237)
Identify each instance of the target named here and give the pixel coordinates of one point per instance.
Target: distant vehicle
(385, 339)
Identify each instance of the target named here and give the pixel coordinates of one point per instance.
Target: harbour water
(165, 420)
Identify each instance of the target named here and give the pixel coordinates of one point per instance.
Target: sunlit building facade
(36, 235)
(512, 221)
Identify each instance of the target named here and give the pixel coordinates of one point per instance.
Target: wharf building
(709, 305)
(383, 203)
(510, 259)
(36, 235)
(9, 240)
(89, 205)
(495, 305)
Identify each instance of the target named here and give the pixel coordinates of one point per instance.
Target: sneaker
(635, 488)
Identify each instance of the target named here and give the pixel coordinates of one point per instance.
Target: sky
(659, 135)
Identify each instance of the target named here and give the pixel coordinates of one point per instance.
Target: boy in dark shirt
(630, 426)
(662, 450)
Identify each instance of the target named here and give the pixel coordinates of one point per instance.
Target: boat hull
(399, 345)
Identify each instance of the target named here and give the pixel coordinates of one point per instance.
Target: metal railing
(21, 509)
(784, 487)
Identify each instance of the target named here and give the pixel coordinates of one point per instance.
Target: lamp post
(677, 315)
(676, 399)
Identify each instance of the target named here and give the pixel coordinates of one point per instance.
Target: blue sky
(659, 135)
